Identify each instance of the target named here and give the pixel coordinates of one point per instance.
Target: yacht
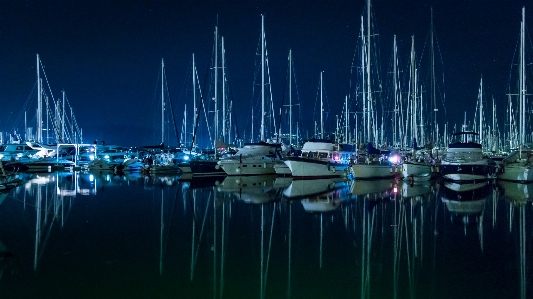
(15, 151)
(419, 165)
(518, 166)
(465, 161)
(252, 159)
(376, 164)
(320, 159)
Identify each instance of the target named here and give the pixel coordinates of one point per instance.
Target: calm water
(81, 235)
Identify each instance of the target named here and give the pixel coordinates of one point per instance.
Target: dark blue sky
(106, 54)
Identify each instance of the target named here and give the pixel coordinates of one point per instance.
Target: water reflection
(256, 189)
(249, 237)
(519, 195)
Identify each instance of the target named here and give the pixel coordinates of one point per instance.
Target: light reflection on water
(83, 235)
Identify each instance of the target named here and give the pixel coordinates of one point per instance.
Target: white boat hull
(516, 172)
(417, 172)
(372, 171)
(312, 169)
(247, 166)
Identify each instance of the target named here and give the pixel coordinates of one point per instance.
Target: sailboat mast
(215, 97)
(433, 84)
(522, 78)
(363, 65)
(223, 92)
(395, 93)
(184, 134)
(321, 109)
(493, 143)
(369, 97)
(481, 111)
(162, 101)
(39, 105)
(262, 78)
(63, 118)
(346, 114)
(290, 97)
(194, 91)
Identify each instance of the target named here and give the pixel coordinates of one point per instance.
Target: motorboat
(320, 159)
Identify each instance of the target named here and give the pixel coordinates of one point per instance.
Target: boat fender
(333, 169)
(217, 167)
(264, 165)
(238, 169)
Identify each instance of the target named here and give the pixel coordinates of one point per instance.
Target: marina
(237, 183)
(83, 234)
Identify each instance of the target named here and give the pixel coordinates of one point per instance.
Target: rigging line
(236, 128)
(282, 101)
(73, 120)
(272, 113)
(46, 79)
(26, 104)
(172, 110)
(199, 108)
(196, 251)
(172, 209)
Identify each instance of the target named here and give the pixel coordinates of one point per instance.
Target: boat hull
(417, 172)
(373, 171)
(305, 168)
(516, 172)
(248, 166)
(206, 168)
(465, 172)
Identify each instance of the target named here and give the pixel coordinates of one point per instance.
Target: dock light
(336, 158)
(106, 157)
(91, 157)
(186, 158)
(394, 159)
(1, 156)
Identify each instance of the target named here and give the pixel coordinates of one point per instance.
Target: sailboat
(517, 167)
(255, 158)
(375, 163)
(320, 158)
(419, 164)
(163, 162)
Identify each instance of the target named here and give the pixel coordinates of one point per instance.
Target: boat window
(28, 148)
(19, 148)
(323, 155)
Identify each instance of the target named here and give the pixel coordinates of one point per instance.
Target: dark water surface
(82, 235)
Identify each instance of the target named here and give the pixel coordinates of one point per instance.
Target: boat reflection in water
(466, 202)
(328, 201)
(307, 239)
(374, 189)
(519, 195)
(255, 189)
(410, 189)
(299, 189)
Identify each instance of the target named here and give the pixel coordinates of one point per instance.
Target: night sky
(106, 55)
